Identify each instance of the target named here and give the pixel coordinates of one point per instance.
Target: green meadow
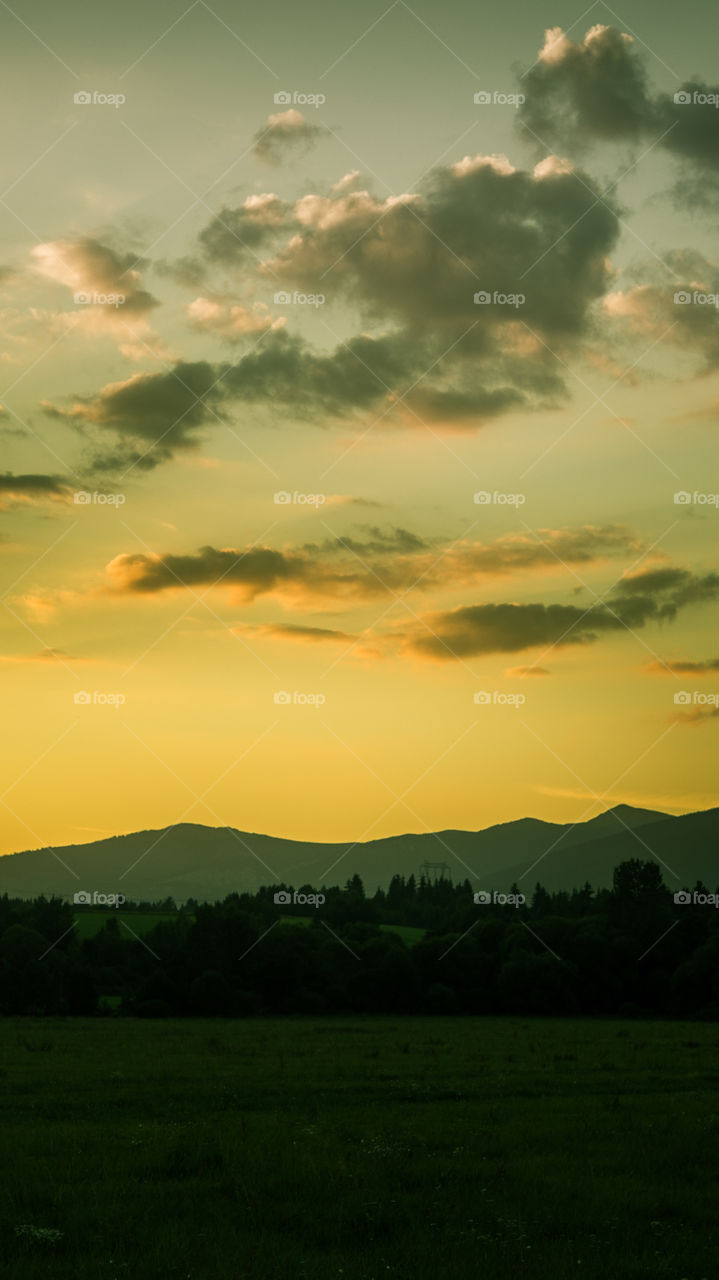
(88, 923)
(359, 1148)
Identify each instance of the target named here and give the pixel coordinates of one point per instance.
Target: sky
(359, 376)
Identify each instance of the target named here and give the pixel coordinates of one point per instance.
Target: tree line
(636, 949)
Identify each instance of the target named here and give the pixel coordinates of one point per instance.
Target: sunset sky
(278, 496)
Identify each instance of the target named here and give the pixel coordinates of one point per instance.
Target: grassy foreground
(359, 1149)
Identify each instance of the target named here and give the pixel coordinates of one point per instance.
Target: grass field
(88, 923)
(359, 1149)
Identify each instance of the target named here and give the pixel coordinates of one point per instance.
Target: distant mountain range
(207, 863)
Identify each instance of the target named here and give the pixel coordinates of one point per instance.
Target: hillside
(189, 860)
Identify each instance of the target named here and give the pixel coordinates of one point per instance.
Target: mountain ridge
(185, 860)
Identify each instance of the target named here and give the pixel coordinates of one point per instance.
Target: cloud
(235, 232)
(108, 294)
(697, 716)
(411, 265)
(153, 415)
(231, 323)
(282, 133)
(598, 91)
(682, 667)
(408, 268)
(380, 561)
(43, 655)
(376, 542)
(150, 415)
(521, 673)
(475, 226)
(596, 88)
(312, 635)
(88, 267)
(653, 595)
(17, 489)
(681, 313)
(248, 574)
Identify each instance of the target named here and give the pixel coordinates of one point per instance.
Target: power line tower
(435, 871)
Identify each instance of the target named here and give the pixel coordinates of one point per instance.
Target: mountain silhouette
(193, 861)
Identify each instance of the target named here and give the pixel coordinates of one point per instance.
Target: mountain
(193, 861)
(686, 848)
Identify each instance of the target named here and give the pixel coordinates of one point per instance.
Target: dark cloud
(381, 561)
(683, 667)
(375, 542)
(251, 226)
(31, 489)
(411, 266)
(150, 415)
(313, 635)
(248, 574)
(597, 91)
(475, 227)
(654, 595)
(283, 133)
